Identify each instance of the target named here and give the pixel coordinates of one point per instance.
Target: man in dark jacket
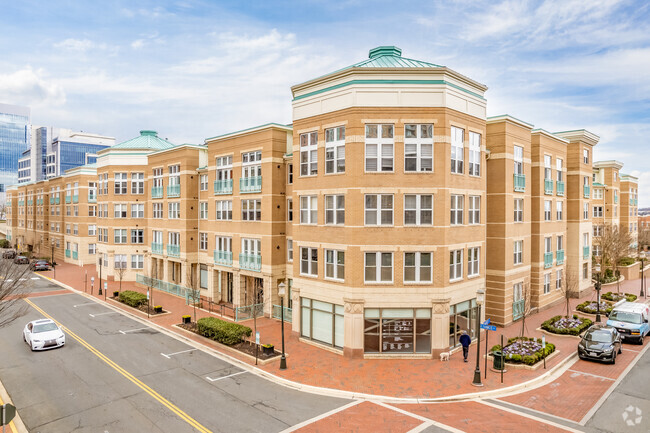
(465, 341)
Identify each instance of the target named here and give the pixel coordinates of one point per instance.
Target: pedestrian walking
(465, 341)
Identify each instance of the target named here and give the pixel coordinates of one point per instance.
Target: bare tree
(3, 211)
(527, 297)
(644, 238)
(194, 292)
(13, 287)
(121, 271)
(570, 287)
(614, 244)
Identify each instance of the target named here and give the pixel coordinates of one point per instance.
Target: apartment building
(384, 207)
(630, 207)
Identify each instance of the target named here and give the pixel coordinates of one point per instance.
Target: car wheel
(614, 358)
(620, 349)
(31, 346)
(24, 339)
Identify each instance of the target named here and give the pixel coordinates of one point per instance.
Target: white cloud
(29, 87)
(137, 44)
(75, 44)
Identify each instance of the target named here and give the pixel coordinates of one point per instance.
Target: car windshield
(624, 316)
(599, 337)
(45, 327)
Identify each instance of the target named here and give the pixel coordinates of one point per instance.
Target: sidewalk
(401, 378)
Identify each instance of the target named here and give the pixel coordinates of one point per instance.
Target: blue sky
(195, 69)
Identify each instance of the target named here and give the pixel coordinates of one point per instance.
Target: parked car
(600, 342)
(9, 254)
(39, 265)
(631, 320)
(43, 334)
(21, 260)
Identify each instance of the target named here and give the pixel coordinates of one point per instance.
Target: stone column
(295, 310)
(270, 294)
(439, 326)
(353, 328)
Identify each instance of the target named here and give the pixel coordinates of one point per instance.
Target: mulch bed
(244, 347)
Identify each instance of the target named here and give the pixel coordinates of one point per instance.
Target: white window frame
(120, 236)
(519, 210)
(423, 215)
(418, 148)
(457, 150)
(137, 210)
(474, 154)
(518, 159)
(289, 209)
(157, 210)
(379, 267)
(137, 183)
(309, 154)
(382, 159)
(379, 212)
(310, 262)
(518, 252)
(203, 241)
(203, 182)
(548, 167)
(223, 210)
(473, 262)
(333, 269)
(120, 210)
(120, 181)
(251, 210)
(457, 209)
(335, 150)
(474, 211)
(335, 209)
(559, 169)
(173, 210)
(548, 205)
(290, 250)
(203, 210)
(547, 283)
(456, 265)
(418, 267)
(137, 236)
(558, 279)
(559, 210)
(309, 209)
(137, 261)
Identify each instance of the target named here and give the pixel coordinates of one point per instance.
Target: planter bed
(522, 366)
(615, 297)
(524, 350)
(566, 326)
(140, 309)
(242, 348)
(590, 307)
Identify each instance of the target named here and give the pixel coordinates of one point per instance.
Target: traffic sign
(488, 327)
(7, 413)
(487, 322)
(257, 338)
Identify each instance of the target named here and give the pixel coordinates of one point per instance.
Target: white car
(43, 334)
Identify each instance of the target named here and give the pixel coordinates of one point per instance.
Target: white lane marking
(529, 416)
(35, 278)
(611, 389)
(515, 408)
(420, 417)
(169, 355)
(87, 303)
(101, 314)
(224, 377)
(9, 280)
(22, 279)
(592, 375)
(321, 416)
(133, 330)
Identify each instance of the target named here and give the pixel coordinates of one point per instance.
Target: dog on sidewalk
(444, 356)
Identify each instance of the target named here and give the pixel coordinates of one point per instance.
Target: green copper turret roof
(146, 140)
(390, 57)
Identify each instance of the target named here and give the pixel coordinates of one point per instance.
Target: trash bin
(497, 360)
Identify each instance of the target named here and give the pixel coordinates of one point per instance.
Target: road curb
(541, 380)
(16, 425)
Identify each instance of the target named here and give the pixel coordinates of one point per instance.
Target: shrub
(132, 299)
(609, 273)
(527, 358)
(614, 297)
(590, 307)
(222, 331)
(626, 261)
(5, 243)
(563, 326)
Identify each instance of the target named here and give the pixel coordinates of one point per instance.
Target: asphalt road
(122, 376)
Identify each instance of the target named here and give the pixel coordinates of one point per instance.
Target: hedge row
(222, 331)
(548, 326)
(133, 299)
(626, 261)
(629, 297)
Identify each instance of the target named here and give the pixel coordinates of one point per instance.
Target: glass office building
(15, 131)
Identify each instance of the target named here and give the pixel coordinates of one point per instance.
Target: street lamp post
(281, 293)
(642, 293)
(53, 265)
(480, 296)
(100, 277)
(597, 287)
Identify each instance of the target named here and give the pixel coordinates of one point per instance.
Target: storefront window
(322, 322)
(397, 330)
(462, 317)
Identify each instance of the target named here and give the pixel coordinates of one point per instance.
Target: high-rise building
(52, 151)
(14, 140)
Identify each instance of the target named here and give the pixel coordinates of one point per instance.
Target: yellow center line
(185, 417)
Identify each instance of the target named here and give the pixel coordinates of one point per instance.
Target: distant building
(55, 150)
(14, 140)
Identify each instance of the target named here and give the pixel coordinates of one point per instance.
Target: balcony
(75, 198)
(174, 191)
(92, 198)
(223, 258)
(277, 313)
(251, 262)
(30, 202)
(250, 184)
(517, 309)
(585, 252)
(21, 202)
(67, 253)
(156, 248)
(559, 187)
(39, 202)
(51, 200)
(57, 200)
(68, 199)
(75, 255)
(548, 186)
(157, 192)
(548, 260)
(559, 257)
(615, 199)
(174, 250)
(223, 186)
(585, 191)
(520, 182)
